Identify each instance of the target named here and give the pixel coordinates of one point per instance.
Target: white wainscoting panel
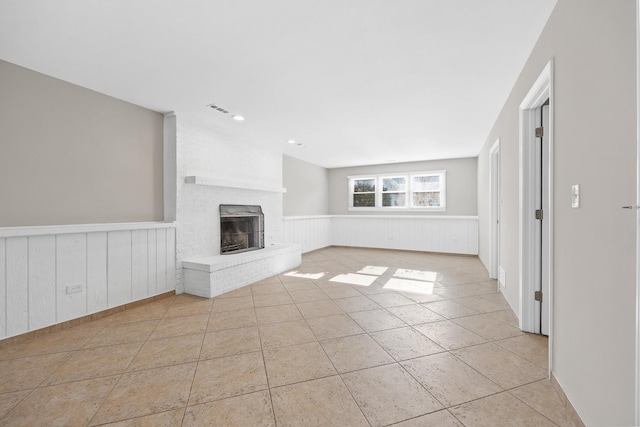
(171, 261)
(119, 268)
(152, 285)
(97, 291)
(71, 270)
(139, 267)
(311, 232)
(49, 275)
(161, 262)
(429, 233)
(17, 273)
(448, 234)
(42, 279)
(3, 288)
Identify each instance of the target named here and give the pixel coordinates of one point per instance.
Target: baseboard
(27, 336)
(570, 409)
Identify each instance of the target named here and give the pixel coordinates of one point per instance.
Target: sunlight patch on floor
(427, 276)
(373, 270)
(413, 286)
(354, 279)
(311, 276)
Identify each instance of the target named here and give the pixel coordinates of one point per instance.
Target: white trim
(408, 206)
(540, 91)
(169, 166)
(214, 182)
(494, 200)
(301, 217)
(293, 218)
(398, 208)
(637, 367)
(388, 174)
(452, 217)
(47, 230)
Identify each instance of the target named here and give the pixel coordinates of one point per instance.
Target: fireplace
(241, 228)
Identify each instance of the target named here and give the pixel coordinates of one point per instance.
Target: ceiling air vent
(217, 108)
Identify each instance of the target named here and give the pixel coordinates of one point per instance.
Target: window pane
(364, 185)
(394, 184)
(426, 199)
(367, 199)
(426, 183)
(394, 199)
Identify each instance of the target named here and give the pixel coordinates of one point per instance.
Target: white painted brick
(205, 150)
(209, 276)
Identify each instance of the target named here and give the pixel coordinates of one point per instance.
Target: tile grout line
(264, 362)
(317, 341)
(123, 373)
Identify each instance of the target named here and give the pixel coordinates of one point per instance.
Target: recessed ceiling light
(237, 118)
(291, 141)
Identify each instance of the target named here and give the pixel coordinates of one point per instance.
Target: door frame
(637, 367)
(540, 91)
(494, 198)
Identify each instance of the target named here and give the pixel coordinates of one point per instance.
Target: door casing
(540, 91)
(637, 368)
(494, 190)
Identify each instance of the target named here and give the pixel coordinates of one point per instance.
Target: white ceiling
(356, 81)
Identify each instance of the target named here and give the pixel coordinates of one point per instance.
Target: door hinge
(539, 214)
(539, 132)
(537, 295)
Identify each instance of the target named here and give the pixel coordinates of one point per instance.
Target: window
(364, 192)
(417, 190)
(394, 191)
(426, 190)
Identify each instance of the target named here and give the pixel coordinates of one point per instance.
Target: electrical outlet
(73, 289)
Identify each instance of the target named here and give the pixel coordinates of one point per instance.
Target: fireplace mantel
(213, 182)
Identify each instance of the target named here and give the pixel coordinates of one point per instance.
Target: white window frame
(380, 185)
(351, 192)
(443, 190)
(409, 192)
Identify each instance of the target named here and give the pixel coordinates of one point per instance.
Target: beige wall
(307, 188)
(69, 155)
(592, 43)
(461, 185)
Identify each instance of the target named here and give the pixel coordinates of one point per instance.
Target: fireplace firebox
(241, 228)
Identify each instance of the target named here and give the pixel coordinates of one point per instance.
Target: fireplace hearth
(241, 228)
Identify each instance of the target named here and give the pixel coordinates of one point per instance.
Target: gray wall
(307, 188)
(69, 155)
(593, 45)
(462, 185)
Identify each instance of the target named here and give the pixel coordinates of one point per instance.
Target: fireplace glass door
(241, 228)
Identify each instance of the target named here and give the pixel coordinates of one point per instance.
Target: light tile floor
(354, 337)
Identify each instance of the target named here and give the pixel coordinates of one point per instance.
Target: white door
(494, 185)
(541, 254)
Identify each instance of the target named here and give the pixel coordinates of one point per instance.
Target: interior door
(542, 268)
(494, 178)
(546, 268)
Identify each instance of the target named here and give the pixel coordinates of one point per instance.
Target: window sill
(396, 210)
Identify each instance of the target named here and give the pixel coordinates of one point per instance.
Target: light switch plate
(575, 196)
